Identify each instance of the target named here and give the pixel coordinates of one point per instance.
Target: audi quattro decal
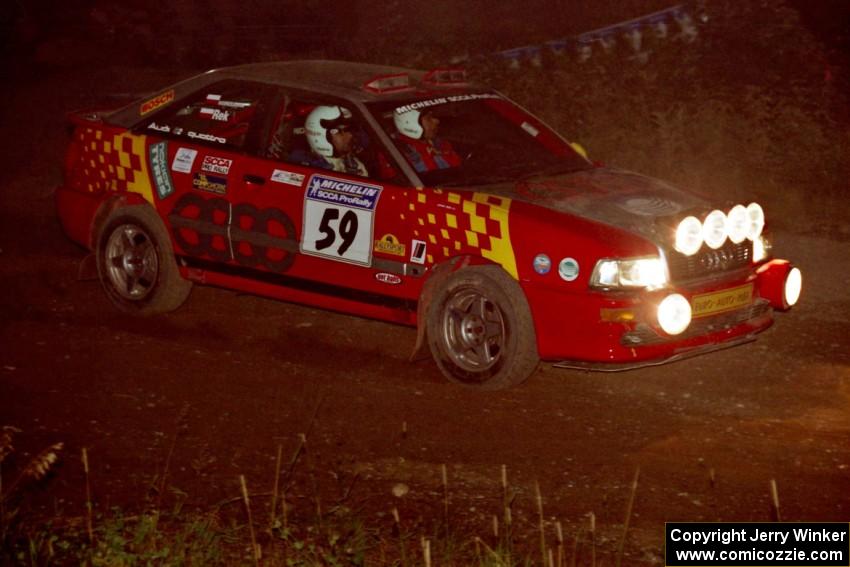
(114, 162)
(454, 223)
(257, 237)
(339, 219)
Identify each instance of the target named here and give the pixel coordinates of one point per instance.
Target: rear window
(223, 114)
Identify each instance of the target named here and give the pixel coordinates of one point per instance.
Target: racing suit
(426, 155)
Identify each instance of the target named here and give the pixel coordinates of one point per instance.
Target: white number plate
(339, 219)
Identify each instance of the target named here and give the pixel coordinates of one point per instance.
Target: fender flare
(107, 207)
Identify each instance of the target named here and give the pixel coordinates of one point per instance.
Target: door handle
(253, 179)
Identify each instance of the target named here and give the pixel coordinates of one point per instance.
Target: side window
(325, 135)
(223, 114)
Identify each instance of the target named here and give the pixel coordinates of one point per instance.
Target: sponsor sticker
(386, 278)
(156, 102)
(389, 244)
(206, 137)
(542, 264)
(210, 183)
(419, 105)
(721, 301)
(287, 177)
(184, 159)
(339, 219)
(159, 128)
(158, 155)
(418, 251)
(216, 165)
(568, 269)
(215, 114)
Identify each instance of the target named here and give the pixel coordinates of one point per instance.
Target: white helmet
(320, 123)
(408, 123)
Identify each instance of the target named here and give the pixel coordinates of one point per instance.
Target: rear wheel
(136, 265)
(480, 329)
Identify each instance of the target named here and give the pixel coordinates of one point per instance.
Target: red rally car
(417, 198)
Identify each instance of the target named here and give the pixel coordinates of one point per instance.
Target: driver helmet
(408, 123)
(321, 123)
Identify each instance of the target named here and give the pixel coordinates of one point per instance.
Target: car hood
(623, 199)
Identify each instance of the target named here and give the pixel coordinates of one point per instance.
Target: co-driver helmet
(408, 123)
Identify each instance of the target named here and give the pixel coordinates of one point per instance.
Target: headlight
(689, 236)
(631, 273)
(793, 286)
(738, 224)
(756, 221)
(714, 229)
(674, 314)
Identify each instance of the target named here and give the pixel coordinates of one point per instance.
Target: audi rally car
(418, 198)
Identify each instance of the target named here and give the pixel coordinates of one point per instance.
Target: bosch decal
(156, 102)
(184, 159)
(339, 219)
(210, 183)
(158, 154)
(216, 165)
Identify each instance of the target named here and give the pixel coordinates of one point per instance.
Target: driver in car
(419, 141)
(331, 140)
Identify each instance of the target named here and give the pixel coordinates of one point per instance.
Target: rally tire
(480, 329)
(136, 265)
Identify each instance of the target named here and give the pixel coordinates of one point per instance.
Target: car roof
(342, 79)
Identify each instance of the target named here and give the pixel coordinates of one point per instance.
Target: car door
(328, 218)
(197, 151)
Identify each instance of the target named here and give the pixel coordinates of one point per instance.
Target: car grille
(644, 335)
(708, 262)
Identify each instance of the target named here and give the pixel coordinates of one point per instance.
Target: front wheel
(136, 265)
(480, 329)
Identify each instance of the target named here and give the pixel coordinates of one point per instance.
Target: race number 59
(339, 219)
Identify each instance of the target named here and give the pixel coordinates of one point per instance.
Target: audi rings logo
(715, 259)
(258, 237)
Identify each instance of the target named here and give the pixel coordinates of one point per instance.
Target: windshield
(474, 139)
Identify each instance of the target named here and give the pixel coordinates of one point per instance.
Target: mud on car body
(511, 249)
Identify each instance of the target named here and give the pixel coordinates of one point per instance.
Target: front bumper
(572, 330)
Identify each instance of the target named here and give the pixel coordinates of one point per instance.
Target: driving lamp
(756, 221)
(714, 229)
(738, 224)
(689, 236)
(674, 314)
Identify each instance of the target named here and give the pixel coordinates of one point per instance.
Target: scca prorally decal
(158, 154)
(216, 165)
(255, 243)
